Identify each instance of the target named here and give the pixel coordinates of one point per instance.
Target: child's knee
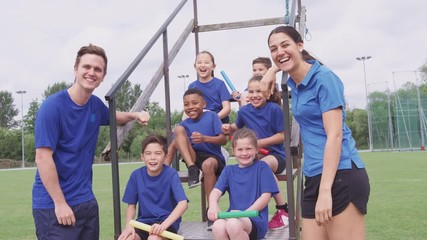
(178, 130)
(209, 166)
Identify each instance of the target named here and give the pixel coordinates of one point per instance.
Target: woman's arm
(268, 81)
(332, 121)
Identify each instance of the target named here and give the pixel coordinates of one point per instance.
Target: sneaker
(280, 220)
(193, 176)
(210, 223)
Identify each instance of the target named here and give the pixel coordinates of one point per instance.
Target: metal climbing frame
(117, 134)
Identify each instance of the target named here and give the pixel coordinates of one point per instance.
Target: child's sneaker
(210, 223)
(193, 176)
(280, 220)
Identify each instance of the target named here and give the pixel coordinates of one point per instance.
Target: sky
(40, 40)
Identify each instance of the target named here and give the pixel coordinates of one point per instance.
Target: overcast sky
(40, 40)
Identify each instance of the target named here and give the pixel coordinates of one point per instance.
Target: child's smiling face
(153, 157)
(255, 95)
(244, 151)
(193, 105)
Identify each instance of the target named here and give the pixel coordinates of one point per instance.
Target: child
(198, 139)
(260, 65)
(157, 190)
(250, 185)
(215, 92)
(266, 119)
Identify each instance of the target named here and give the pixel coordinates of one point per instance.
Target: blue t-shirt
(265, 122)
(207, 124)
(215, 92)
(245, 186)
(71, 131)
(320, 91)
(156, 196)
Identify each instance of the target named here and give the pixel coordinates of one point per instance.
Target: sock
(284, 207)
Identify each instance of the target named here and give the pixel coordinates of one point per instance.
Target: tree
(30, 118)
(10, 143)
(7, 110)
(357, 121)
(56, 87)
(127, 96)
(423, 70)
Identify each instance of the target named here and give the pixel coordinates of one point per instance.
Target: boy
(158, 191)
(198, 139)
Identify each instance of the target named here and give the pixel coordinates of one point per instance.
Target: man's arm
(49, 177)
(125, 117)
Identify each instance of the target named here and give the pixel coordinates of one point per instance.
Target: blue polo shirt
(321, 91)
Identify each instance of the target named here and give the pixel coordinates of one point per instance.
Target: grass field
(397, 205)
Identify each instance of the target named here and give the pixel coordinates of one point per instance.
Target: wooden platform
(197, 230)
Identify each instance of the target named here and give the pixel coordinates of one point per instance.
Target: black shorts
(350, 185)
(144, 235)
(202, 156)
(281, 163)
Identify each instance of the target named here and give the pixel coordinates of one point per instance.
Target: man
(66, 132)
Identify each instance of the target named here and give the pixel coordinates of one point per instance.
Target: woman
(337, 188)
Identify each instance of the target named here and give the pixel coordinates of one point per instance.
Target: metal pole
(390, 123)
(22, 127)
(367, 101)
(420, 111)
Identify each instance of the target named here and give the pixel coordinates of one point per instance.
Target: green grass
(396, 208)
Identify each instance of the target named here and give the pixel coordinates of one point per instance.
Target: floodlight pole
(184, 77)
(22, 126)
(420, 112)
(363, 58)
(390, 123)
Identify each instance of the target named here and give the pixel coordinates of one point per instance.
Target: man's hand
(143, 117)
(64, 214)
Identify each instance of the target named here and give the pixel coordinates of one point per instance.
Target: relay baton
(263, 151)
(147, 228)
(238, 214)
(229, 83)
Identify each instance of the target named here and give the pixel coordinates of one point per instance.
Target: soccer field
(396, 208)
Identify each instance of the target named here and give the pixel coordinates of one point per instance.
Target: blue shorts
(87, 223)
(350, 185)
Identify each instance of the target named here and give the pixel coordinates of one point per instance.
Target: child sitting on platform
(198, 139)
(158, 191)
(250, 185)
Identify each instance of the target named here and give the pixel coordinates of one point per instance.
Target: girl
(250, 184)
(336, 185)
(214, 90)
